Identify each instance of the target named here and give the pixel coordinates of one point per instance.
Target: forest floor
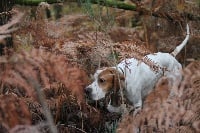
(52, 59)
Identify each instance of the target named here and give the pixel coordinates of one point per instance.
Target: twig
(120, 85)
(146, 34)
(5, 28)
(8, 28)
(2, 37)
(5, 13)
(76, 128)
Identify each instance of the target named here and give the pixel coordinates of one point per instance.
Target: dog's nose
(88, 90)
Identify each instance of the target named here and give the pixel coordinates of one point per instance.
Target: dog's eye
(101, 80)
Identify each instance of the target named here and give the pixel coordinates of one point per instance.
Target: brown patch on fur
(111, 80)
(105, 80)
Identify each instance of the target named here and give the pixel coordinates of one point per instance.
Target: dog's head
(105, 80)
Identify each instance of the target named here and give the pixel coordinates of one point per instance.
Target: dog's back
(141, 77)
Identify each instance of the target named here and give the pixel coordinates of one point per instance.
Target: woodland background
(49, 50)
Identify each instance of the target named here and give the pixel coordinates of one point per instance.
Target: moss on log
(35, 2)
(114, 3)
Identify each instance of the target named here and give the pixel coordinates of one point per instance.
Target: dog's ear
(118, 79)
(118, 83)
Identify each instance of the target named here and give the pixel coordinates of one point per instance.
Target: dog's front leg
(137, 107)
(137, 110)
(137, 103)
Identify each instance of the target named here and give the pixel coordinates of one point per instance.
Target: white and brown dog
(135, 78)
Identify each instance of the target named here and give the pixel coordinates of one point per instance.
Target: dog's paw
(137, 111)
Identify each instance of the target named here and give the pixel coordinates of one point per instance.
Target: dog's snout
(88, 90)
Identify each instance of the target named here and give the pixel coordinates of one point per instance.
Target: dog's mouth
(90, 100)
(100, 104)
(110, 98)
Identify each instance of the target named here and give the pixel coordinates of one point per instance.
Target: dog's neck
(119, 69)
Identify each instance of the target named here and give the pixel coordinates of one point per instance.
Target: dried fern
(61, 82)
(14, 111)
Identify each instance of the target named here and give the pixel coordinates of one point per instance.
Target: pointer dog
(135, 78)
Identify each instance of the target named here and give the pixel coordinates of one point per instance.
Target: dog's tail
(180, 47)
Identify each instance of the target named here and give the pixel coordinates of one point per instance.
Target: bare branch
(2, 37)
(7, 29)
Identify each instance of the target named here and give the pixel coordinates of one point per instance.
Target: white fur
(140, 79)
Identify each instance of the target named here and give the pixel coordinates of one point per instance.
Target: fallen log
(125, 6)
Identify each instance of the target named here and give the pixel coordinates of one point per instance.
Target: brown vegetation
(61, 82)
(14, 111)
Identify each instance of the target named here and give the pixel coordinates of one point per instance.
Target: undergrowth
(58, 55)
